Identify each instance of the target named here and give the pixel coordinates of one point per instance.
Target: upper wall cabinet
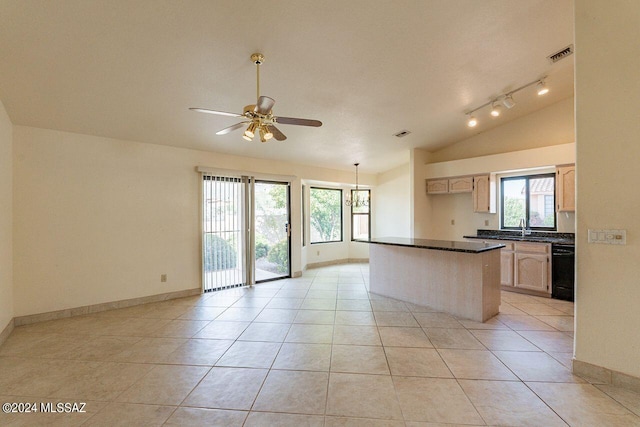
(482, 188)
(437, 186)
(484, 194)
(460, 184)
(566, 188)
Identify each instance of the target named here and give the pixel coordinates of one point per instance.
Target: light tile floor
(312, 351)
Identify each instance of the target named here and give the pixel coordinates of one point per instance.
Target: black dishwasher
(563, 271)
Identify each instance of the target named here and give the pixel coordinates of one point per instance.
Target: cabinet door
(566, 188)
(481, 193)
(532, 271)
(437, 186)
(506, 268)
(461, 185)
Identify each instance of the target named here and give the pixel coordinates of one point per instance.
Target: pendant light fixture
(355, 200)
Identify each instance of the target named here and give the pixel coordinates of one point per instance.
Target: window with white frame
(325, 216)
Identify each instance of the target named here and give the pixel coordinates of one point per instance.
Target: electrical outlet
(163, 278)
(486, 222)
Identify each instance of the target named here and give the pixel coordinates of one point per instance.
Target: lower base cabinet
(532, 272)
(526, 266)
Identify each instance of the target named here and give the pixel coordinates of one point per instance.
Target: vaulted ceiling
(130, 69)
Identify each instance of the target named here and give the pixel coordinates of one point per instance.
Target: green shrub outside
(219, 254)
(279, 255)
(262, 249)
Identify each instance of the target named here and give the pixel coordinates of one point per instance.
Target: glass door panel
(222, 240)
(272, 231)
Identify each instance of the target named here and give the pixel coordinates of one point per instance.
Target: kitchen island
(460, 278)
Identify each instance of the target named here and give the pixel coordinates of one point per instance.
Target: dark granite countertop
(535, 236)
(440, 245)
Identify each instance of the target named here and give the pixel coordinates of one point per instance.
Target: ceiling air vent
(402, 133)
(555, 57)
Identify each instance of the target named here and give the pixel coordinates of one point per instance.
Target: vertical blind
(227, 242)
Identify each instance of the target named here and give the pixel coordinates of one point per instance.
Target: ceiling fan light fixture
(265, 133)
(251, 130)
(259, 115)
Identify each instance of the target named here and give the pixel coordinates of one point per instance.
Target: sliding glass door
(272, 231)
(246, 231)
(223, 243)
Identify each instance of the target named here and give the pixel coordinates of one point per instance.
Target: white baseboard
(7, 331)
(599, 375)
(336, 262)
(96, 308)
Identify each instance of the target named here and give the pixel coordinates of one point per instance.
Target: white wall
(391, 203)
(420, 203)
(608, 150)
(99, 219)
(6, 220)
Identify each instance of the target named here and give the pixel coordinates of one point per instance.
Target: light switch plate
(608, 237)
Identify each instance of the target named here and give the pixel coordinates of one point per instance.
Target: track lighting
(542, 88)
(496, 109)
(506, 100)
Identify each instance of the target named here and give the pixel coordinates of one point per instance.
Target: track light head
(508, 101)
(542, 88)
(496, 109)
(472, 122)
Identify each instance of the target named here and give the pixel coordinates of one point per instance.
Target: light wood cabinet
(532, 267)
(481, 187)
(525, 266)
(437, 186)
(462, 184)
(566, 188)
(458, 184)
(506, 267)
(484, 194)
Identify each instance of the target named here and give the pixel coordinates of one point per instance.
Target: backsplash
(533, 233)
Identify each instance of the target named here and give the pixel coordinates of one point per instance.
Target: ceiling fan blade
(279, 136)
(299, 122)
(220, 113)
(264, 105)
(231, 128)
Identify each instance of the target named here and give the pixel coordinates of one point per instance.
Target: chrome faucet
(523, 226)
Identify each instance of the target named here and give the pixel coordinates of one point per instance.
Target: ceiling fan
(259, 116)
